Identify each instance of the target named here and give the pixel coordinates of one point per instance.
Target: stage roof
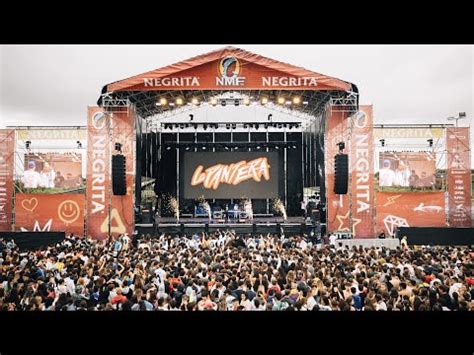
(226, 70)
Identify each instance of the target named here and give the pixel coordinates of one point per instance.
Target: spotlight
(179, 101)
(118, 147)
(168, 147)
(213, 101)
(382, 142)
(270, 117)
(277, 147)
(281, 100)
(223, 102)
(27, 144)
(258, 147)
(171, 104)
(226, 148)
(296, 100)
(246, 101)
(79, 145)
(187, 148)
(204, 147)
(195, 101)
(264, 100)
(191, 116)
(245, 125)
(341, 146)
(236, 102)
(430, 141)
(236, 148)
(257, 126)
(305, 102)
(288, 102)
(294, 146)
(234, 125)
(227, 126)
(163, 101)
(205, 126)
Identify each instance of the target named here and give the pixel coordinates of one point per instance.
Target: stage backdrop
(338, 130)
(362, 173)
(409, 209)
(459, 177)
(7, 149)
(231, 175)
(50, 213)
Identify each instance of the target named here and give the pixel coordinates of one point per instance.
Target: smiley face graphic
(68, 211)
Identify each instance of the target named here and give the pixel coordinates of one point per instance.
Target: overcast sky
(53, 85)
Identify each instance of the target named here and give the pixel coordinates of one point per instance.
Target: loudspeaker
(119, 183)
(341, 174)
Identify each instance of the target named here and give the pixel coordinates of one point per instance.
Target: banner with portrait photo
(50, 213)
(407, 171)
(7, 150)
(52, 172)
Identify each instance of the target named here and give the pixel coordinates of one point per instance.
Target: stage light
(257, 126)
(118, 147)
(205, 126)
(187, 148)
(305, 102)
(296, 100)
(265, 126)
(195, 101)
(213, 101)
(270, 117)
(264, 100)
(341, 146)
(191, 116)
(258, 147)
(430, 141)
(245, 125)
(27, 144)
(79, 145)
(168, 148)
(223, 102)
(204, 147)
(163, 101)
(227, 126)
(246, 101)
(281, 100)
(236, 148)
(179, 101)
(382, 142)
(294, 146)
(236, 102)
(226, 148)
(171, 104)
(288, 102)
(277, 147)
(234, 125)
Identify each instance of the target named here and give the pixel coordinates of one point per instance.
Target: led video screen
(230, 175)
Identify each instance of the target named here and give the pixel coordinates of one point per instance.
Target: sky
(53, 85)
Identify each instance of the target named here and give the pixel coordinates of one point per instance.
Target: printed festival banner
(98, 173)
(409, 209)
(50, 213)
(362, 173)
(7, 150)
(459, 177)
(338, 127)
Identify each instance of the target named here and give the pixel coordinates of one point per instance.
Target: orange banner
(122, 213)
(338, 216)
(409, 209)
(50, 212)
(7, 150)
(98, 173)
(362, 172)
(459, 177)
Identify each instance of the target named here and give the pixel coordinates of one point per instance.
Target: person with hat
(31, 178)
(386, 175)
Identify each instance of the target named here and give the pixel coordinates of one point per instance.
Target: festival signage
(7, 149)
(338, 130)
(76, 134)
(362, 173)
(407, 132)
(409, 209)
(459, 177)
(50, 213)
(227, 69)
(98, 173)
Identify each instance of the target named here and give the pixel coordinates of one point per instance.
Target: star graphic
(341, 218)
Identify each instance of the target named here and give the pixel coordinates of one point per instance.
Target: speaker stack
(119, 182)
(341, 174)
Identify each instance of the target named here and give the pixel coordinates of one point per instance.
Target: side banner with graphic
(98, 173)
(7, 149)
(362, 173)
(409, 209)
(459, 177)
(338, 127)
(50, 213)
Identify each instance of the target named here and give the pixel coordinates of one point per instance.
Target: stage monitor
(407, 171)
(226, 175)
(52, 172)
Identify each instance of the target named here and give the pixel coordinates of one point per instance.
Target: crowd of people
(224, 271)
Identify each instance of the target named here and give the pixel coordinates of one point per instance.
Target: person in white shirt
(332, 239)
(402, 175)
(31, 178)
(386, 175)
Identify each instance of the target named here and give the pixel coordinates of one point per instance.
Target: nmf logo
(229, 69)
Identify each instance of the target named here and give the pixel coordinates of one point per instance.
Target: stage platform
(291, 226)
